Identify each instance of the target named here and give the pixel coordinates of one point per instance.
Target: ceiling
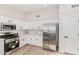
(27, 7)
(22, 10)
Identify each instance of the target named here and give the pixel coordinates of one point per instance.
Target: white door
(71, 35)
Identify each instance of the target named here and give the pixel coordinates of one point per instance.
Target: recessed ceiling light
(45, 5)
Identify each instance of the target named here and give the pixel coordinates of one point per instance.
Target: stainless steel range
(11, 41)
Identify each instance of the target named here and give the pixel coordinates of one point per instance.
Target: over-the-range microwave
(5, 26)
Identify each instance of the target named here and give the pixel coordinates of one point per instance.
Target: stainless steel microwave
(8, 26)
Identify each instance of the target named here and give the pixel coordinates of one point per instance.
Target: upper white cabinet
(20, 24)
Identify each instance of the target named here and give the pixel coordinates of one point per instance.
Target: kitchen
(13, 22)
(36, 29)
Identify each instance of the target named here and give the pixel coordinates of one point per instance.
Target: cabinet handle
(36, 39)
(78, 34)
(66, 36)
(78, 20)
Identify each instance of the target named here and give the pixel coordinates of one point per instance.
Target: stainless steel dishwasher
(51, 40)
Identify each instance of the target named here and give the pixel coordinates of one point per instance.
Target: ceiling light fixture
(45, 5)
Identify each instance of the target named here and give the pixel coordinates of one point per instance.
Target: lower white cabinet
(22, 41)
(37, 40)
(1, 46)
(30, 39)
(34, 40)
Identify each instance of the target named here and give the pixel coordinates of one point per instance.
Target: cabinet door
(34, 40)
(28, 39)
(37, 40)
(22, 41)
(1, 46)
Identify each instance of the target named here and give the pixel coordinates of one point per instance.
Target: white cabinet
(21, 38)
(28, 38)
(34, 40)
(22, 41)
(38, 40)
(1, 46)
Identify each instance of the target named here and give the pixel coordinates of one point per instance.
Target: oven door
(11, 45)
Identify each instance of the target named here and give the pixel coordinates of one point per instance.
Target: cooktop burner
(9, 36)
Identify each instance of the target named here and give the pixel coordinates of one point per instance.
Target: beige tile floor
(34, 50)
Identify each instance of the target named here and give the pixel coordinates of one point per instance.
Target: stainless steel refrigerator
(51, 39)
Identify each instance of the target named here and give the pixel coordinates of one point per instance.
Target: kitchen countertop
(7, 37)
